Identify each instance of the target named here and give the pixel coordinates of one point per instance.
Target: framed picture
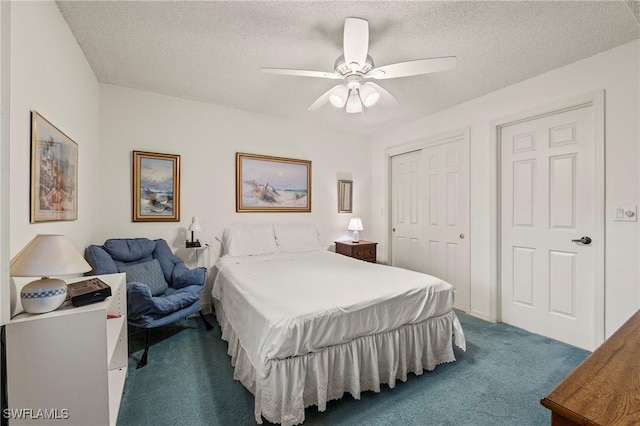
(156, 187)
(272, 184)
(54, 173)
(345, 196)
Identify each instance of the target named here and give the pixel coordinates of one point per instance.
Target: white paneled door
(548, 225)
(430, 212)
(447, 215)
(406, 212)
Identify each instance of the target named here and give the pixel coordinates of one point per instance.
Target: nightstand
(363, 250)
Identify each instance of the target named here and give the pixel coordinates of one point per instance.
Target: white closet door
(430, 212)
(406, 212)
(446, 215)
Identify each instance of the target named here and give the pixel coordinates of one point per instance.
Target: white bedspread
(288, 304)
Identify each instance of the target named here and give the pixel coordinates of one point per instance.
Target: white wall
(617, 72)
(207, 138)
(49, 74)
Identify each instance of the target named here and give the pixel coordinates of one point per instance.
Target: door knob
(583, 240)
(393, 229)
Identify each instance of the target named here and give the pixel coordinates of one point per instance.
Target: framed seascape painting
(272, 184)
(156, 187)
(54, 173)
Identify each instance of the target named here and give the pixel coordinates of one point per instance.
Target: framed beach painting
(156, 187)
(272, 184)
(54, 173)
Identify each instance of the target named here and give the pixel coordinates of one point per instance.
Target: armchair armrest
(144, 306)
(100, 261)
(139, 300)
(183, 276)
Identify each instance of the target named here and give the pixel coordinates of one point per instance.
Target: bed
(305, 325)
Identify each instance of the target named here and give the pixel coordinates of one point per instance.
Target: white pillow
(248, 240)
(297, 237)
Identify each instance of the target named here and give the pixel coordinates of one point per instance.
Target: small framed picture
(156, 187)
(345, 196)
(272, 184)
(54, 173)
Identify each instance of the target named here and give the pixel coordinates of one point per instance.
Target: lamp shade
(195, 225)
(369, 95)
(355, 224)
(49, 255)
(338, 97)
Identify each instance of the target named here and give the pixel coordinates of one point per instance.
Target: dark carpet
(499, 380)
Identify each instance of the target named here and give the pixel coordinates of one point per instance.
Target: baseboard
(481, 316)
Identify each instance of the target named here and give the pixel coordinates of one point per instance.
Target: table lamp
(355, 225)
(45, 256)
(195, 226)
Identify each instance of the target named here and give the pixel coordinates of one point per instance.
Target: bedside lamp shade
(355, 225)
(195, 224)
(46, 256)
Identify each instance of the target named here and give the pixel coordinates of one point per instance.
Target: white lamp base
(43, 295)
(356, 237)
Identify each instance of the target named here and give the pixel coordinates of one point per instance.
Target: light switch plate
(625, 213)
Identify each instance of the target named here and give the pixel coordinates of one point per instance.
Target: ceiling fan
(355, 67)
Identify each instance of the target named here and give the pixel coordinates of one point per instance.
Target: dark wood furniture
(605, 388)
(363, 250)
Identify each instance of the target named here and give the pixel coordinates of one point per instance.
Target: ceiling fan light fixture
(339, 96)
(354, 104)
(369, 95)
(356, 67)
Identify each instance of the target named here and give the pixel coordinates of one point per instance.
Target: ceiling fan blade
(409, 68)
(323, 99)
(356, 41)
(386, 98)
(301, 73)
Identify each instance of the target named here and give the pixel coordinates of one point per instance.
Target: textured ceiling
(211, 51)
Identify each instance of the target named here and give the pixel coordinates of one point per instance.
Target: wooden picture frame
(156, 187)
(54, 173)
(345, 196)
(272, 184)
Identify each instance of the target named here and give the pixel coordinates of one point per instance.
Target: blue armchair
(160, 288)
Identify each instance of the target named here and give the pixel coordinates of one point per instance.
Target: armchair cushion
(130, 249)
(148, 273)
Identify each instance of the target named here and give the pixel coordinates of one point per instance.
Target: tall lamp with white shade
(355, 225)
(47, 256)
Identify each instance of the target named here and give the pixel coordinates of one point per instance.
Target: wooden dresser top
(605, 388)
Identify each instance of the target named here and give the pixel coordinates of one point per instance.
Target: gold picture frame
(272, 184)
(156, 187)
(54, 173)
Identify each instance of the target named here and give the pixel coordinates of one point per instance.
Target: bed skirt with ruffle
(287, 386)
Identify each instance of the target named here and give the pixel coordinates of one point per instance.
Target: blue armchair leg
(143, 360)
(206, 323)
